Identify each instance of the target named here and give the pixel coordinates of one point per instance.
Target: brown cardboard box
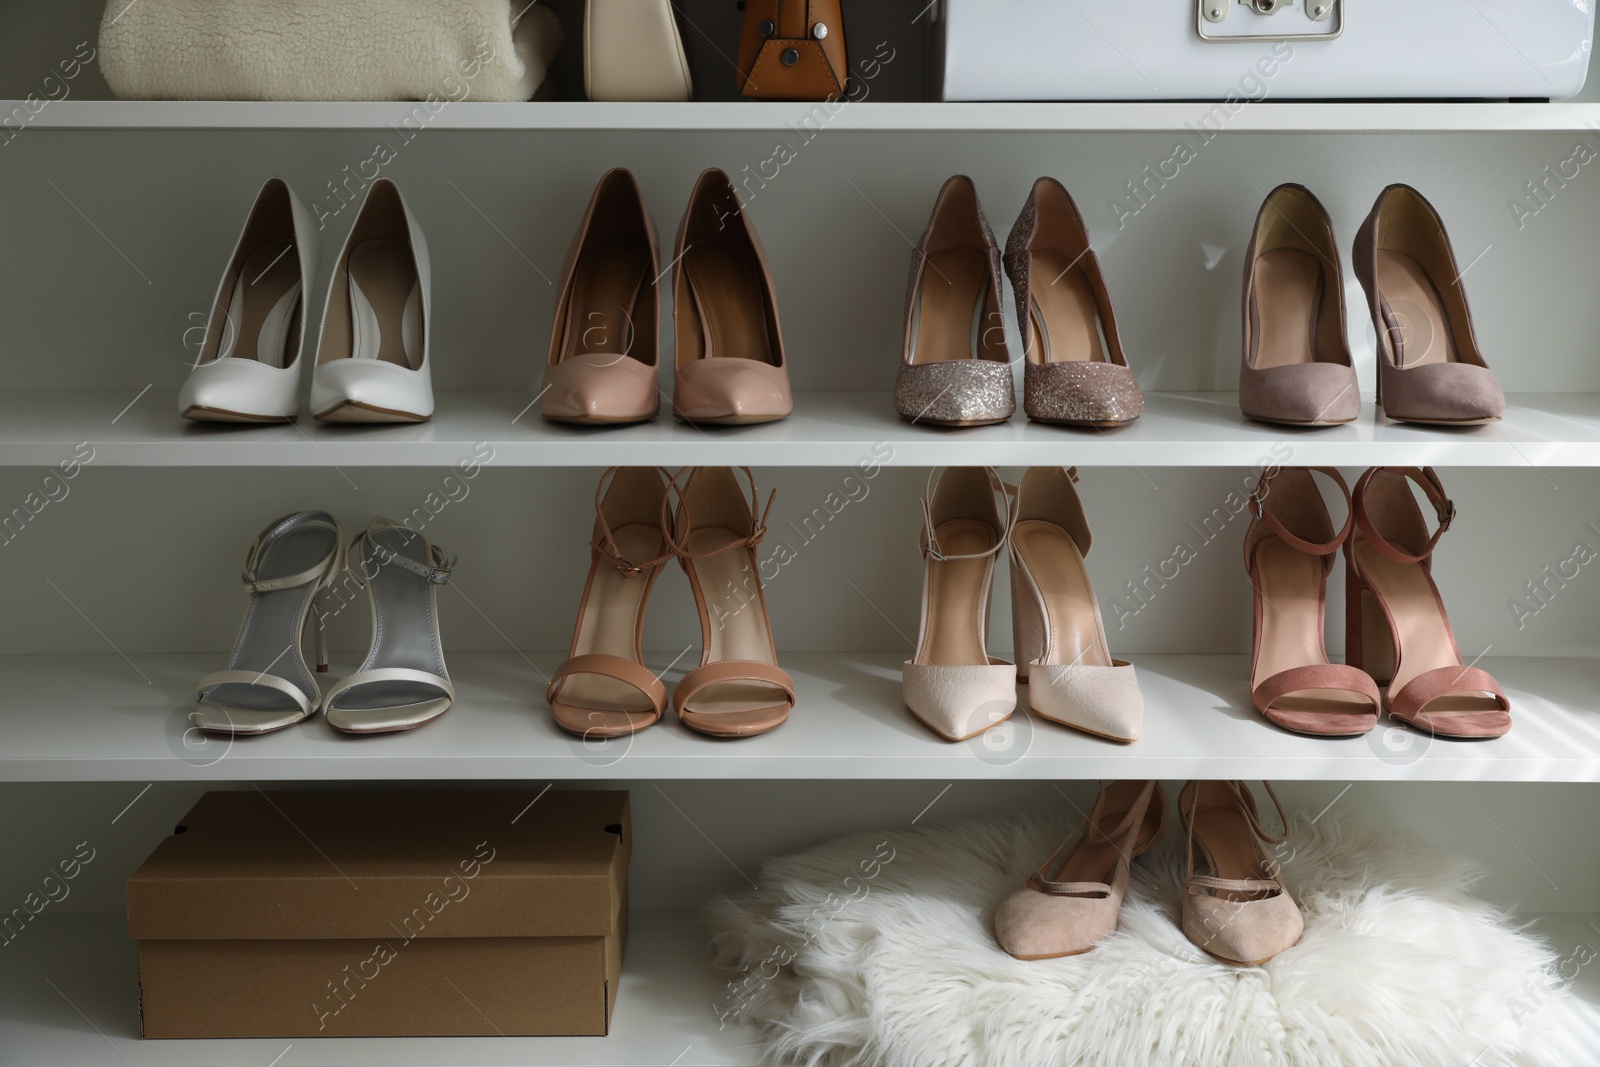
(385, 914)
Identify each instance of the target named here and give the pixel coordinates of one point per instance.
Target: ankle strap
(1119, 837)
(330, 564)
(1252, 817)
(1261, 512)
(929, 541)
(1443, 507)
(436, 570)
(606, 543)
(678, 539)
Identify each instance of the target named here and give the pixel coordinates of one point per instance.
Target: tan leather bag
(793, 50)
(632, 51)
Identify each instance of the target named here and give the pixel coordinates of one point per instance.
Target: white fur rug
(876, 951)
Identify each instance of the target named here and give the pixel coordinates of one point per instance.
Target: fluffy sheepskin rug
(876, 951)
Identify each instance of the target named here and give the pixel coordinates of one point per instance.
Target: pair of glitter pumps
(955, 369)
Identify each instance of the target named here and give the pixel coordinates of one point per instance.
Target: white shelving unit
(121, 589)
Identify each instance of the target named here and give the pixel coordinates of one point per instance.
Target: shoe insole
(385, 304)
(264, 306)
(1414, 312)
(610, 625)
(1064, 313)
(725, 280)
(1055, 569)
(1285, 306)
(947, 319)
(269, 642)
(605, 288)
(1291, 587)
(405, 631)
(1228, 844)
(957, 603)
(738, 624)
(1422, 634)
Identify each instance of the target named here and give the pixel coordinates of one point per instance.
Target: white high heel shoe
(267, 684)
(249, 365)
(403, 682)
(372, 355)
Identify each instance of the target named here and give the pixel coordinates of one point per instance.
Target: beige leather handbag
(632, 51)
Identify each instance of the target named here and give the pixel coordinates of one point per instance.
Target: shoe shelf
(69, 980)
(866, 116)
(97, 718)
(1179, 429)
(71, 983)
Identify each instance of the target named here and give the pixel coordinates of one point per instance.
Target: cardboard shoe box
(384, 914)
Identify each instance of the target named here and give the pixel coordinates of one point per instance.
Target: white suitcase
(1255, 49)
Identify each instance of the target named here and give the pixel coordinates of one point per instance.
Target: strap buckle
(1258, 495)
(1446, 512)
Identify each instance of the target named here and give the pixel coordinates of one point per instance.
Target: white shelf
(1269, 116)
(94, 718)
(39, 429)
(665, 1013)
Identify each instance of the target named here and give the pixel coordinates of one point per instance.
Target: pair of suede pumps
(1296, 368)
(955, 368)
(606, 342)
(1235, 905)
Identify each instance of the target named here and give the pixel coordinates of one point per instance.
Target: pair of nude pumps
(951, 683)
(1297, 369)
(606, 342)
(1235, 905)
(372, 352)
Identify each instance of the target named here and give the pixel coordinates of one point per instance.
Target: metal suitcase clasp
(1222, 21)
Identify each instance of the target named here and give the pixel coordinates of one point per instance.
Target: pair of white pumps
(300, 573)
(372, 352)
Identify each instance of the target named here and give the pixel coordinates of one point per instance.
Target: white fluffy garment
(327, 49)
(877, 950)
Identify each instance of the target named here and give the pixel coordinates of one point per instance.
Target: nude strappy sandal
(1060, 640)
(1396, 626)
(403, 683)
(1289, 549)
(267, 684)
(738, 690)
(1072, 902)
(951, 683)
(1235, 905)
(603, 689)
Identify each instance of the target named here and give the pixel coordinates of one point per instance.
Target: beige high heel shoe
(603, 688)
(1235, 906)
(1396, 626)
(730, 361)
(738, 690)
(952, 684)
(607, 333)
(1072, 902)
(1059, 637)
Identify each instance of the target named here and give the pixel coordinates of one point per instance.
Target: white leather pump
(372, 356)
(249, 365)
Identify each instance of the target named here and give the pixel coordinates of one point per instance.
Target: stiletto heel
(319, 613)
(1073, 900)
(267, 684)
(603, 689)
(1390, 556)
(403, 682)
(1289, 550)
(738, 690)
(1060, 640)
(951, 683)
